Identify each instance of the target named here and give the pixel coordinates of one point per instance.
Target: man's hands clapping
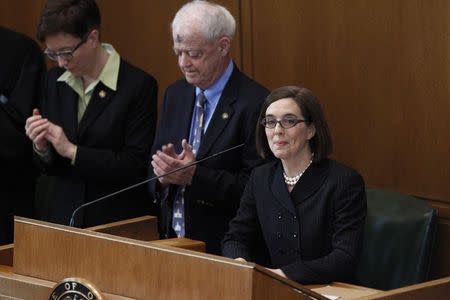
(166, 160)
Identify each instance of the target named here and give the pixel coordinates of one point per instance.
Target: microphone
(150, 179)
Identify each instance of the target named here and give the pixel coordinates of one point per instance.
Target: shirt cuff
(45, 156)
(74, 156)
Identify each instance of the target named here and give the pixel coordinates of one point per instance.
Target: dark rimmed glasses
(65, 54)
(286, 122)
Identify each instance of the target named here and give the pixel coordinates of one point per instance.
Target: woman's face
(288, 143)
(80, 61)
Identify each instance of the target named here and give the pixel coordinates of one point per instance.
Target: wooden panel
(440, 264)
(267, 285)
(183, 243)
(246, 43)
(148, 272)
(22, 287)
(13, 286)
(381, 70)
(21, 15)
(6, 255)
(132, 268)
(436, 290)
(344, 291)
(142, 228)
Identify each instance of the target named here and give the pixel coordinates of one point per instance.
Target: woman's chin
(280, 154)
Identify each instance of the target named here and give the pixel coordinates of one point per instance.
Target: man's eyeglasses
(65, 54)
(286, 122)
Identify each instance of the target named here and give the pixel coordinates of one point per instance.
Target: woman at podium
(302, 214)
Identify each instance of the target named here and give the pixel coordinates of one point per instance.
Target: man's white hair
(211, 20)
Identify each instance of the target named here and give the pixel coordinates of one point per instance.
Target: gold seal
(102, 94)
(75, 288)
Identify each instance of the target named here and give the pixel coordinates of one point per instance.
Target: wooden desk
(45, 253)
(35, 239)
(435, 289)
(344, 291)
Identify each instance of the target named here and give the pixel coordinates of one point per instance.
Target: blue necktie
(195, 140)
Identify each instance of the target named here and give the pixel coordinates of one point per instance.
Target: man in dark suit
(98, 118)
(221, 103)
(22, 66)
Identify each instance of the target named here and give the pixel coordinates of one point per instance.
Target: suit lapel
(222, 114)
(280, 191)
(69, 109)
(100, 99)
(311, 181)
(183, 122)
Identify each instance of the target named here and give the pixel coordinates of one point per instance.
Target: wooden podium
(124, 260)
(127, 268)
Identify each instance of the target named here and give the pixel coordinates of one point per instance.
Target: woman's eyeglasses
(65, 54)
(286, 122)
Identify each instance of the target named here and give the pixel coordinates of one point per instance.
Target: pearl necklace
(293, 180)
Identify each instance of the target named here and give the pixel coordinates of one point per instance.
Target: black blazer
(313, 234)
(113, 138)
(213, 198)
(22, 67)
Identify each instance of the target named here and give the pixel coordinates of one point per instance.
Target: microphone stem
(148, 180)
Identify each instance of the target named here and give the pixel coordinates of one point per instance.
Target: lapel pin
(225, 116)
(102, 94)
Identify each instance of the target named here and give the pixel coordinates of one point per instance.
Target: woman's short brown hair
(320, 143)
(75, 17)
